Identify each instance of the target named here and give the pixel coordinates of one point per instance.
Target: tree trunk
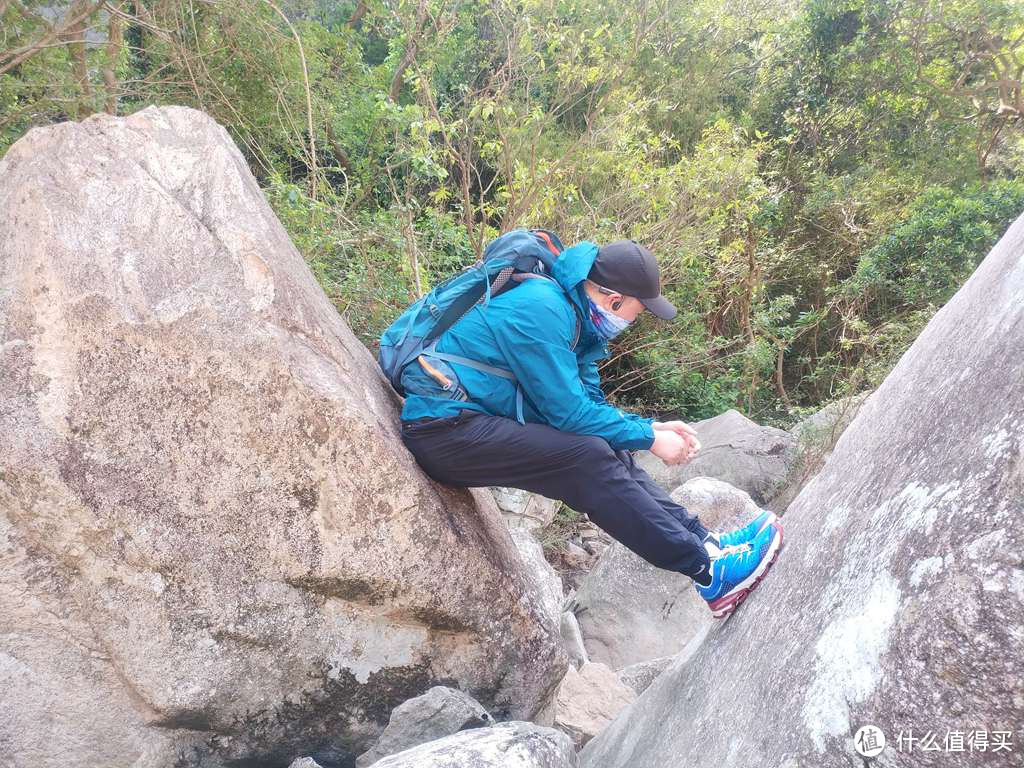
(115, 38)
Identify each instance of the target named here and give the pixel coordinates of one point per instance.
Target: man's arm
(535, 346)
(591, 379)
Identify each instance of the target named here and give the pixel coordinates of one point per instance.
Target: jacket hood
(570, 270)
(573, 266)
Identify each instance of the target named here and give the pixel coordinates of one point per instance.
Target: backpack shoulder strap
(521, 276)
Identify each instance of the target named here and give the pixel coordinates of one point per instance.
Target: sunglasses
(617, 304)
(606, 291)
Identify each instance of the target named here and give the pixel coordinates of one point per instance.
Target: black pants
(476, 449)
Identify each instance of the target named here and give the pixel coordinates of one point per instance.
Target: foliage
(945, 235)
(816, 176)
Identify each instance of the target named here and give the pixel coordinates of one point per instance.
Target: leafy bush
(947, 232)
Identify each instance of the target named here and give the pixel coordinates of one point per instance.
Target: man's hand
(682, 429)
(671, 447)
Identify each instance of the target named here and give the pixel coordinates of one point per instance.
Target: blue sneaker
(746, 533)
(738, 570)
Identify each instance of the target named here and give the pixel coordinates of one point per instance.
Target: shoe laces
(732, 549)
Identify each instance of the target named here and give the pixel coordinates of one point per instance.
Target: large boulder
(506, 745)
(213, 545)
(630, 611)
(898, 600)
(735, 450)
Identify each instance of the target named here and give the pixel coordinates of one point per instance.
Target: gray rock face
(437, 713)
(630, 611)
(213, 545)
(735, 450)
(506, 745)
(898, 599)
(827, 425)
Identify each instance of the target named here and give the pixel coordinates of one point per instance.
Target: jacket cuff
(641, 438)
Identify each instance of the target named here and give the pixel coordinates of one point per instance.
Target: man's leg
(476, 449)
(681, 513)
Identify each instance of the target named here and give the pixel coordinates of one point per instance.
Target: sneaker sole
(724, 606)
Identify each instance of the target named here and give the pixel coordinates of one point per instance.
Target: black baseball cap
(627, 267)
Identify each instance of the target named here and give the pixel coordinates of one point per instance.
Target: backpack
(507, 260)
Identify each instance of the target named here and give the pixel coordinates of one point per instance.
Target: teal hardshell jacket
(529, 330)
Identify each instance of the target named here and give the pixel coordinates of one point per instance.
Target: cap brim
(660, 307)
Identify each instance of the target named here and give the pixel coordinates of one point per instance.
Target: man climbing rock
(568, 442)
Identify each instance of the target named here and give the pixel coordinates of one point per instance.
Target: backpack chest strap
(431, 351)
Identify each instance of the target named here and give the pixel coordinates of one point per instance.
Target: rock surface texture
(640, 676)
(213, 545)
(572, 637)
(507, 745)
(542, 577)
(898, 599)
(735, 450)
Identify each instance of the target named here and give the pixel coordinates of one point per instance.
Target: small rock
(304, 762)
(640, 676)
(437, 713)
(516, 743)
(719, 506)
(588, 700)
(522, 509)
(594, 540)
(573, 639)
(576, 556)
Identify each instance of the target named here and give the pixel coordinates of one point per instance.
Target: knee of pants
(595, 450)
(594, 462)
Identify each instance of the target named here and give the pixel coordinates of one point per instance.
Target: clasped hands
(675, 442)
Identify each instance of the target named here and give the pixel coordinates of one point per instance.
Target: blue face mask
(608, 324)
